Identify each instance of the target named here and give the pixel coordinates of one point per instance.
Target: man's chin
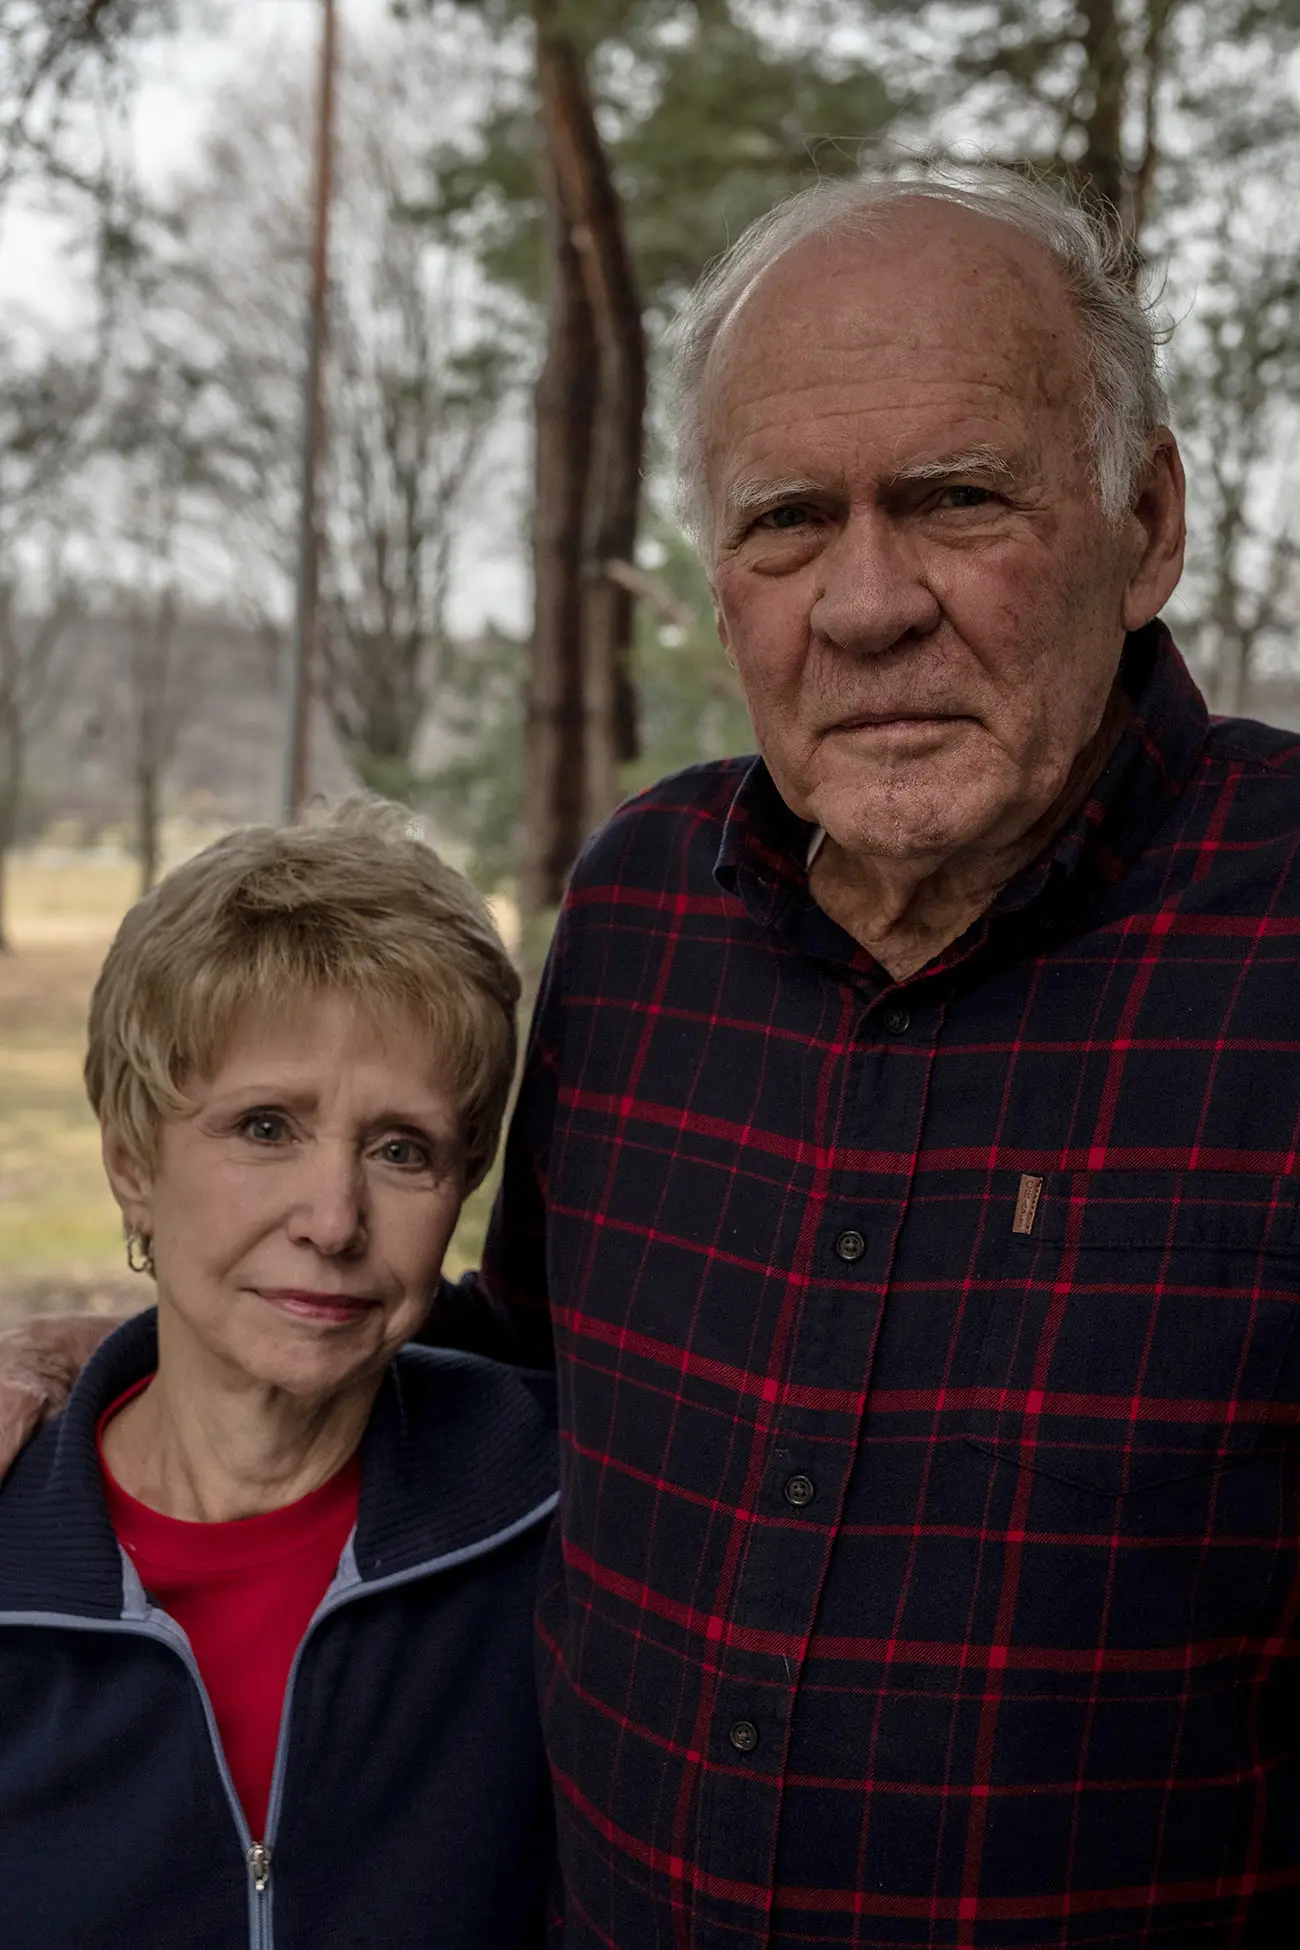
(904, 828)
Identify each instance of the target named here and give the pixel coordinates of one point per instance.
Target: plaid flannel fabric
(929, 1565)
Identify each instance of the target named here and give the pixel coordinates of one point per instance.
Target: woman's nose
(328, 1212)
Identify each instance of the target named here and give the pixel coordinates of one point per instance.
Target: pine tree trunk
(1101, 167)
(591, 204)
(565, 403)
(1159, 14)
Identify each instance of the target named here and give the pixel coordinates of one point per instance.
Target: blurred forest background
(500, 622)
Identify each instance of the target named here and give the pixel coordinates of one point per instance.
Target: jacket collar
(458, 1451)
(764, 851)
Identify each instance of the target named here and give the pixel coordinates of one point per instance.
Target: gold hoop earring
(139, 1252)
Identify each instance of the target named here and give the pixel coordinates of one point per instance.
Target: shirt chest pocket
(1141, 1330)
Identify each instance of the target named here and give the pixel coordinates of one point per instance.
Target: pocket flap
(1234, 1211)
(1139, 1333)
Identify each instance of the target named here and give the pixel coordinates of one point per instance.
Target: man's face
(912, 571)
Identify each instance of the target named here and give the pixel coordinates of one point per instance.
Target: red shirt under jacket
(243, 1594)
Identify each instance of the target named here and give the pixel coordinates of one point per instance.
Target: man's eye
(791, 514)
(965, 495)
(264, 1127)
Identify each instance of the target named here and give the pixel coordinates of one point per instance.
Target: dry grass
(60, 1235)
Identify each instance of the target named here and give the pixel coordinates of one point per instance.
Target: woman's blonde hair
(354, 906)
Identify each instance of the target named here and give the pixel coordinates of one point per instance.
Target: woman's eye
(264, 1127)
(408, 1153)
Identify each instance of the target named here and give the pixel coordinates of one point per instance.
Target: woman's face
(300, 1211)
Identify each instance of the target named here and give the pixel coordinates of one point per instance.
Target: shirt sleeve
(503, 1310)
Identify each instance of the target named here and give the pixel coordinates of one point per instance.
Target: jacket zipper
(257, 1856)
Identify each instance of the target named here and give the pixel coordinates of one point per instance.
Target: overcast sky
(180, 75)
(42, 286)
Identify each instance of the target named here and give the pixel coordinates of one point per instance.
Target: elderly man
(906, 1160)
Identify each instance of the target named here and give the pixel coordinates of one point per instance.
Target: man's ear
(724, 634)
(131, 1182)
(1160, 532)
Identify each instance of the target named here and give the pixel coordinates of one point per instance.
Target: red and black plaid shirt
(929, 1570)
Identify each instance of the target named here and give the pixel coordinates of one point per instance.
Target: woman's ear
(131, 1183)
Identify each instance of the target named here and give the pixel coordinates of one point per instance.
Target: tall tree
(1083, 87)
(59, 59)
(413, 380)
(160, 692)
(169, 456)
(648, 134)
(1235, 389)
(45, 413)
(564, 410)
(595, 416)
(411, 419)
(30, 640)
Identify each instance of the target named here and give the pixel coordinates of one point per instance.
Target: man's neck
(214, 1446)
(905, 913)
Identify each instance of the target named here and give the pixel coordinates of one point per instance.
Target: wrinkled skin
(298, 1212)
(913, 572)
(348, 1190)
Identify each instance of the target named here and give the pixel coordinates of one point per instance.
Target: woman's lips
(334, 1309)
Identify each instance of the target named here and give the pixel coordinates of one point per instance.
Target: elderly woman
(266, 1585)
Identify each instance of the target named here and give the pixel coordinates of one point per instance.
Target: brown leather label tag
(1031, 1190)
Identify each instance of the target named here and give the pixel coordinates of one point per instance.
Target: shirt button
(897, 1021)
(800, 1491)
(850, 1245)
(744, 1736)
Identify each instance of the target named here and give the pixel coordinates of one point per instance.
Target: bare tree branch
(653, 590)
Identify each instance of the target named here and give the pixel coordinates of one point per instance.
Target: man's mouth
(897, 720)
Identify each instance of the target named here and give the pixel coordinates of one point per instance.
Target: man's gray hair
(1124, 399)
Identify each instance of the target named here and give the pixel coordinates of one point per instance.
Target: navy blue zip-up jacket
(409, 1804)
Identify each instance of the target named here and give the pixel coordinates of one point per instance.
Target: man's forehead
(923, 274)
(872, 355)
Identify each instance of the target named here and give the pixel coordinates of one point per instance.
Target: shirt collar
(766, 850)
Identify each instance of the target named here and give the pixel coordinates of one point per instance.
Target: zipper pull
(259, 1865)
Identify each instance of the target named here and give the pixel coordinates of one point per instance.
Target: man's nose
(872, 592)
(329, 1210)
